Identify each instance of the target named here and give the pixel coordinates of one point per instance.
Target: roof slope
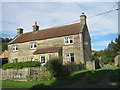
(48, 33)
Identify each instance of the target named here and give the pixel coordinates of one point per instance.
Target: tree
(6, 39)
(107, 55)
(115, 46)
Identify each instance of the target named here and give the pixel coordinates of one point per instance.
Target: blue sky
(52, 14)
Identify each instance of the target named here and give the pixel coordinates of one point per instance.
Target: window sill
(32, 48)
(15, 50)
(69, 44)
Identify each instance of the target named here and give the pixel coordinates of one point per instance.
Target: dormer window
(33, 45)
(15, 47)
(68, 40)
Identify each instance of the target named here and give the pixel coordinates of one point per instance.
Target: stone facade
(80, 48)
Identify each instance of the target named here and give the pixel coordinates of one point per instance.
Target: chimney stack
(83, 19)
(35, 27)
(19, 31)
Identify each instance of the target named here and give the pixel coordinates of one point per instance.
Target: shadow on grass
(91, 77)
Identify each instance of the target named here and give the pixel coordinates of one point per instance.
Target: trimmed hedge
(21, 65)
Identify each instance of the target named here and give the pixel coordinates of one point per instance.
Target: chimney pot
(19, 31)
(35, 27)
(83, 18)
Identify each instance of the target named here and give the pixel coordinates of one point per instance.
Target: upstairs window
(70, 57)
(15, 47)
(68, 40)
(33, 45)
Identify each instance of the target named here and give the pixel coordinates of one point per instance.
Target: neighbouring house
(4, 57)
(71, 42)
(117, 60)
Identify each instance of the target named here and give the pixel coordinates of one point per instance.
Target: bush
(21, 65)
(54, 66)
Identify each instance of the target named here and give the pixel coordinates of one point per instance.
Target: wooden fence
(33, 73)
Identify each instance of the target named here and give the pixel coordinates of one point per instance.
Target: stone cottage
(71, 42)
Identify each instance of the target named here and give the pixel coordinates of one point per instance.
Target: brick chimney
(83, 19)
(19, 31)
(35, 27)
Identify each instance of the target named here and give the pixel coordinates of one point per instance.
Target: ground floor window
(15, 60)
(32, 59)
(42, 59)
(49, 56)
(70, 57)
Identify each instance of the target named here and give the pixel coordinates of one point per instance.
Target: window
(32, 59)
(68, 40)
(42, 59)
(49, 57)
(15, 60)
(15, 47)
(33, 45)
(70, 57)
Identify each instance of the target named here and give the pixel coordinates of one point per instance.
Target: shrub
(54, 66)
(20, 65)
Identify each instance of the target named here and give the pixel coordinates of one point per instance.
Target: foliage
(21, 65)
(107, 55)
(96, 59)
(115, 46)
(54, 65)
(3, 44)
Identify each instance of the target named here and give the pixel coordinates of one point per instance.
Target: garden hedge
(20, 65)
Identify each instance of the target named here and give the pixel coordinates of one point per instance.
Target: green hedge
(21, 65)
(54, 66)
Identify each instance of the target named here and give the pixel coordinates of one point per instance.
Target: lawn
(90, 77)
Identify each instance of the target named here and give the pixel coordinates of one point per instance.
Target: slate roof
(48, 33)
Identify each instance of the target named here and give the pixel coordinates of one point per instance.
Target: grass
(89, 76)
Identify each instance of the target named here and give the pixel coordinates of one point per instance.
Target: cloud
(47, 14)
(101, 43)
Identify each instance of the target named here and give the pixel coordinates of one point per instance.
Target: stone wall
(90, 64)
(33, 73)
(24, 52)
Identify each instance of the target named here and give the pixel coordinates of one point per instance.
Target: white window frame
(15, 47)
(68, 39)
(69, 56)
(49, 56)
(32, 59)
(32, 45)
(42, 56)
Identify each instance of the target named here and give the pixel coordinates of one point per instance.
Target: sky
(103, 28)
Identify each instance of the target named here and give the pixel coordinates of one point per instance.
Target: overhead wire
(104, 13)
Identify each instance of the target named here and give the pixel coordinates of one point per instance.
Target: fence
(34, 73)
